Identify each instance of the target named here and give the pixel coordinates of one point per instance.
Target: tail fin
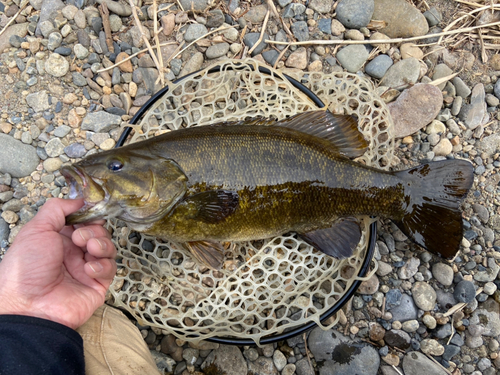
(433, 195)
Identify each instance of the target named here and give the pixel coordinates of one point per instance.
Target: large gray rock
(262, 365)
(355, 14)
(49, 12)
(406, 310)
(339, 355)
(475, 113)
(415, 108)
(199, 5)
(251, 38)
(405, 72)
(321, 6)
(228, 359)
(415, 363)
(17, 158)
(100, 122)
(39, 101)
(487, 316)
(352, 57)
(116, 7)
(4, 230)
(19, 29)
(195, 31)
(490, 144)
(403, 20)
(193, 64)
(424, 295)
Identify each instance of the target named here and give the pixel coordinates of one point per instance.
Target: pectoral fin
(207, 252)
(212, 206)
(338, 241)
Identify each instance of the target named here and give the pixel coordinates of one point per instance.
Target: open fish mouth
(82, 186)
(75, 180)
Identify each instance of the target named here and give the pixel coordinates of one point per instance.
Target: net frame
(266, 287)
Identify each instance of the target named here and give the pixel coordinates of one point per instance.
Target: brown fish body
(285, 180)
(261, 178)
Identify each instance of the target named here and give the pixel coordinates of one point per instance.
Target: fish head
(134, 187)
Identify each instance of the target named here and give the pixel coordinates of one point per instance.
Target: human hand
(57, 272)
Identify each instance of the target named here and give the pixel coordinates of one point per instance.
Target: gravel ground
(56, 108)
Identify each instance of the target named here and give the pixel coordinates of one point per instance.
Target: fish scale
(261, 178)
(288, 182)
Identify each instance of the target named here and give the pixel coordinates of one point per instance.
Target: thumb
(52, 215)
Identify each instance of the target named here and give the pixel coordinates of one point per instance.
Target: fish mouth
(76, 180)
(93, 193)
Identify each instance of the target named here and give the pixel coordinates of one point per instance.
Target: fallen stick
(381, 41)
(103, 9)
(14, 18)
(262, 31)
(131, 56)
(146, 41)
(194, 41)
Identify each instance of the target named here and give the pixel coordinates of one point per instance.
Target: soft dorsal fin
(341, 130)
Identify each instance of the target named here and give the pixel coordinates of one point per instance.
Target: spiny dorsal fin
(341, 130)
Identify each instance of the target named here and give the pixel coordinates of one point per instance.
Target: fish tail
(433, 193)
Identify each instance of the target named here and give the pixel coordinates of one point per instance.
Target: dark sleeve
(31, 345)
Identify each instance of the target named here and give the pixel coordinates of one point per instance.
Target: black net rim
(373, 227)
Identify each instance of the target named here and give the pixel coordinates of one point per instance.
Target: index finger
(52, 215)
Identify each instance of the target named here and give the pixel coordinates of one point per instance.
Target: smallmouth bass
(260, 178)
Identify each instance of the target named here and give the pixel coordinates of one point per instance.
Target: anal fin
(207, 252)
(338, 241)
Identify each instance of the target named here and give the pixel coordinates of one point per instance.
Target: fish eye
(115, 166)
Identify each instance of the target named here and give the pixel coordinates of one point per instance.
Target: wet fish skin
(235, 182)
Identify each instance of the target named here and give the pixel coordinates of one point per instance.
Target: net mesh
(265, 287)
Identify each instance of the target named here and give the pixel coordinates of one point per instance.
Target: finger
(52, 215)
(103, 270)
(101, 247)
(89, 258)
(69, 229)
(95, 222)
(82, 235)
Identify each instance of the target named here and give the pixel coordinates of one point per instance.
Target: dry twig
(194, 41)
(103, 9)
(271, 5)
(459, 306)
(180, 5)
(437, 363)
(438, 81)
(484, 55)
(475, 5)
(146, 41)
(465, 16)
(157, 42)
(262, 31)
(14, 17)
(382, 41)
(280, 56)
(131, 56)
